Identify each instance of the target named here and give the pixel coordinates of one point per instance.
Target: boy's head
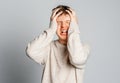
(63, 22)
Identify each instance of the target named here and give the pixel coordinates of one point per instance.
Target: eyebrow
(66, 20)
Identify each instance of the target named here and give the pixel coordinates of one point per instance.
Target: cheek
(68, 25)
(58, 31)
(58, 23)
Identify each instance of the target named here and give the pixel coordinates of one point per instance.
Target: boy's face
(63, 22)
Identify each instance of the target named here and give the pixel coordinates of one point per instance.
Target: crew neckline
(61, 45)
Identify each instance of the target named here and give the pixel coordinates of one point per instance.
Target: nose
(63, 25)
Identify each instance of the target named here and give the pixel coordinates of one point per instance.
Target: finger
(73, 12)
(55, 11)
(72, 17)
(70, 14)
(58, 14)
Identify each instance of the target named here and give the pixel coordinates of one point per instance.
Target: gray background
(22, 20)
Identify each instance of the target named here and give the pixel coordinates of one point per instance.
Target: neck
(64, 42)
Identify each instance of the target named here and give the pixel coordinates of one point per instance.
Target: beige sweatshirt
(62, 63)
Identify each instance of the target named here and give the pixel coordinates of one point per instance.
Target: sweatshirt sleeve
(39, 48)
(78, 52)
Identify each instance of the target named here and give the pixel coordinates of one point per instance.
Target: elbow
(31, 53)
(28, 50)
(78, 63)
(81, 60)
(79, 66)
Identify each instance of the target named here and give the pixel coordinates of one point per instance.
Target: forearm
(38, 49)
(78, 53)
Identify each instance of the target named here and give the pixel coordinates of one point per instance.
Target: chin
(64, 38)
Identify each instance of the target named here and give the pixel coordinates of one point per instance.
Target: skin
(63, 22)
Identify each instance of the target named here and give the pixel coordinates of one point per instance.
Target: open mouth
(64, 32)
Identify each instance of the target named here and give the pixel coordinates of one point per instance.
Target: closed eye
(68, 22)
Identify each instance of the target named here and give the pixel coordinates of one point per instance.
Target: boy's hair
(63, 8)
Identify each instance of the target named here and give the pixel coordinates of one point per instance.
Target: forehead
(63, 17)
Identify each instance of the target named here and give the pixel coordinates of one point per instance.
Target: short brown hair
(63, 8)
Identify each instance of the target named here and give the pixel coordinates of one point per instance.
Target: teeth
(64, 31)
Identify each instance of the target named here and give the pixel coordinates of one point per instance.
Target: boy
(64, 59)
